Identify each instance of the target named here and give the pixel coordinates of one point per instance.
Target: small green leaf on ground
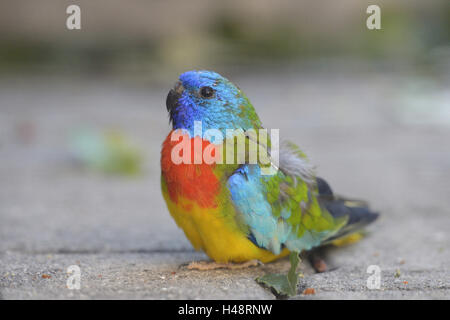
(283, 284)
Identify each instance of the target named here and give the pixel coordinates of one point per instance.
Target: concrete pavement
(366, 134)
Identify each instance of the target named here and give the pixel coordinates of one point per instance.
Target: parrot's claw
(319, 265)
(207, 265)
(315, 258)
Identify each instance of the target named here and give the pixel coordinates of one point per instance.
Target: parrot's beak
(173, 96)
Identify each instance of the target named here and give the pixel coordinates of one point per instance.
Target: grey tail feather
(358, 212)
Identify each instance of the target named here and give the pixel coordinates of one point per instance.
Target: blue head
(208, 97)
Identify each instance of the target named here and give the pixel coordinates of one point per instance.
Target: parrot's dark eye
(206, 92)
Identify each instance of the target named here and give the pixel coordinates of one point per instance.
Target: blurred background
(82, 112)
(157, 39)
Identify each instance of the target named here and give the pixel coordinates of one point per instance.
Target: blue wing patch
(249, 196)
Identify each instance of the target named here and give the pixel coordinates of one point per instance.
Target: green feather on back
(281, 209)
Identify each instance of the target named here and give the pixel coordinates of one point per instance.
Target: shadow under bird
(233, 211)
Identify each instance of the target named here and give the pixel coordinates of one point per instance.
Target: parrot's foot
(315, 258)
(319, 265)
(206, 265)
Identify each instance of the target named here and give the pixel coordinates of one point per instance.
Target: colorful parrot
(235, 212)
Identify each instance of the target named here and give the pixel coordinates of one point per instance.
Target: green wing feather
(281, 209)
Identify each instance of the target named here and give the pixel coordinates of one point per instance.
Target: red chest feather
(195, 182)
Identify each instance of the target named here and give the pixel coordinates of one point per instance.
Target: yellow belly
(211, 231)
